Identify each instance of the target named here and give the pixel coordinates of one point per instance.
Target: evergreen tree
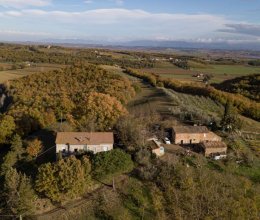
(7, 126)
(19, 195)
(112, 163)
(230, 121)
(13, 155)
(17, 146)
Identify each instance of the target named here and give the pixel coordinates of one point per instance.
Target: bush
(66, 179)
(112, 163)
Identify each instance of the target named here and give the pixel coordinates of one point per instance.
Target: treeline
(248, 86)
(254, 62)
(37, 54)
(85, 96)
(244, 105)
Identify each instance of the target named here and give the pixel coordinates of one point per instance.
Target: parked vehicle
(167, 141)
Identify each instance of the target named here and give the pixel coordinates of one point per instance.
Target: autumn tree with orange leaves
(100, 110)
(34, 147)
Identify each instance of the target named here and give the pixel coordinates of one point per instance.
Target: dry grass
(14, 74)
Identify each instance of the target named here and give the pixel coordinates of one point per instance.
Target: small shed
(156, 147)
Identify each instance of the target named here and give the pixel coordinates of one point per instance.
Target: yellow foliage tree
(100, 110)
(34, 147)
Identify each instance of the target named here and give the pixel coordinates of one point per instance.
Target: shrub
(66, 179)
(112, 163)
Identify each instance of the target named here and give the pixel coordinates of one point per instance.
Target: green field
(219, 72)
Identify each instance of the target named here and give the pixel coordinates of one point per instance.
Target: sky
(231, 21)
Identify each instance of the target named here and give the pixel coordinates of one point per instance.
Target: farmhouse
(193, 135)
(72, 142)
(214, 148)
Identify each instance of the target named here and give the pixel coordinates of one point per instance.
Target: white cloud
(243, 28)
(88, 1)
(118, 2)
(119, 23)
(24, 3)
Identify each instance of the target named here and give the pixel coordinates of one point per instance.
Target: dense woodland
(78, 94)
(128, 182)
(248, 86)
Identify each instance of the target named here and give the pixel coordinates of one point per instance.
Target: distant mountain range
(159, 44)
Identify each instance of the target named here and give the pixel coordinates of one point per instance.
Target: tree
(18, 192)
(230, 121)
(7, 127)
(112, 163)
(34, 147)
(17, 145)
(207, 78)
(100, 109)
(65, 179)
(130, 133)
(13, 155)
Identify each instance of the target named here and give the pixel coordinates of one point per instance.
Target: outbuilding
(214, 149)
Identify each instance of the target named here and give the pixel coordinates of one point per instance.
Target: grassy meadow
(220, 72)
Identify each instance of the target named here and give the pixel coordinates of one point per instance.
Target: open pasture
(220, 72)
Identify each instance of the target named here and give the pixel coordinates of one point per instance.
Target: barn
(193, 135)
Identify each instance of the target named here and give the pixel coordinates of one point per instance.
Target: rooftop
(85, 138)
(213, 144)
(190, 129)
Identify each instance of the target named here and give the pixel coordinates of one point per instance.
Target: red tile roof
(85, 138)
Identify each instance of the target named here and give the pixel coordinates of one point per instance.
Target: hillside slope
(248, 86)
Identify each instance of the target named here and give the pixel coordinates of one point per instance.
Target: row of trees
(244, 105)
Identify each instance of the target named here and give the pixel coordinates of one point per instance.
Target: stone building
(193, 135)
(214, 148)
